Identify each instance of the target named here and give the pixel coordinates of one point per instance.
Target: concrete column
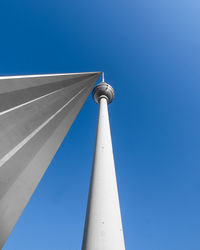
(103, 226)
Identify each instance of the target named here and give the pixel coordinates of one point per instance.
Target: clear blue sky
(150, 52)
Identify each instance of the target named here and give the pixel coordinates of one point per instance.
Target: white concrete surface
(103, 226)
(36, 113)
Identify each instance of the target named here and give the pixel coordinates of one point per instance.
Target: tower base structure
(36, 112)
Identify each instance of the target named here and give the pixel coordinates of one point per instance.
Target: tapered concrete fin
(36, 113)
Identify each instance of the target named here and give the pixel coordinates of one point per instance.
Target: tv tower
(103, 225)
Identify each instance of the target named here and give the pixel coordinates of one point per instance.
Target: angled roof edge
(46, 75)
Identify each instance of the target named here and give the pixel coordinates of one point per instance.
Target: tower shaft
(103, 226)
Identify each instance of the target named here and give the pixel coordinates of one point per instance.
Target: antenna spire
(102, 76)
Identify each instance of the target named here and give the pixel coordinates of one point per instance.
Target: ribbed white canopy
(36, 113)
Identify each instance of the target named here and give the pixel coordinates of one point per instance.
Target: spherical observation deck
(103, 89)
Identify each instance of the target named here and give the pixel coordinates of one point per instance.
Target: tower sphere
(103, 89)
